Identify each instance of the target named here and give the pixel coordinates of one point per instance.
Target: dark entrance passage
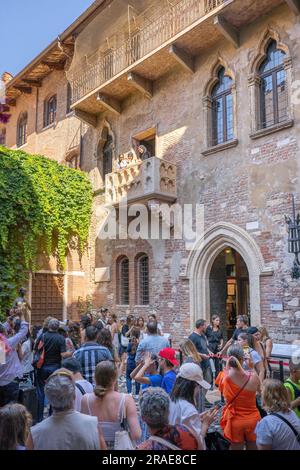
(229, 288)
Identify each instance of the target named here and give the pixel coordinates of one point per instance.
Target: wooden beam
(110, 104)
(294, 6)
(228, 31)
(23, 89)
(32, 83)
(88, 118)
(53, 65)
(142, 84)
(183, 58)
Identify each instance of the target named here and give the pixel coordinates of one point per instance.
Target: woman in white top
(279, 429)
(184, 399)
(27, 356)
(109, 406)
(114, 330)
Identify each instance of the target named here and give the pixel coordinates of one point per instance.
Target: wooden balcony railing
(212, 4)
(147, 39)
(152, 178)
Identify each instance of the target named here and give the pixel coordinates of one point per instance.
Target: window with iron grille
(273, 89)
(222, 109)
(143, 280)
(22, 130)
(50, 111)
(123, 281)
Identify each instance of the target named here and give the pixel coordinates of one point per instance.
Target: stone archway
(202, 257)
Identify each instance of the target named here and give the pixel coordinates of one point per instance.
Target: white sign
(277, 307)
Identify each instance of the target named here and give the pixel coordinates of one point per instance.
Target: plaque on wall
(277, 307)
(102, 275)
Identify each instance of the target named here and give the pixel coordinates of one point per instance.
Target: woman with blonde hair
(15, 422)
(267, 345)
(239, 387)
(114, 330)
(280, 429)
(190, 354)
(110, 406)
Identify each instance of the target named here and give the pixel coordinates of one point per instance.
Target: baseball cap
(192, 371)
(170, 355)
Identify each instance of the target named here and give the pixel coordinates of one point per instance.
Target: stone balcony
(153, 178)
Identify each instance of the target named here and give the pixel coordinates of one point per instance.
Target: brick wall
(250, 183)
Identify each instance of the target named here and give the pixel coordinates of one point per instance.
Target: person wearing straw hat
(184, 401)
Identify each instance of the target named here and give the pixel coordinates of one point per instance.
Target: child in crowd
(293, 386)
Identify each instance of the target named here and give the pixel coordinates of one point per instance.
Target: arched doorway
(202, 257)
(229, 288)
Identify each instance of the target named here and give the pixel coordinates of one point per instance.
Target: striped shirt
(89, 355)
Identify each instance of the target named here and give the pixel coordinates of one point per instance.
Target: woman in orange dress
(240, 414)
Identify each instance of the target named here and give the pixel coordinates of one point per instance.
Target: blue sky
(28, 26)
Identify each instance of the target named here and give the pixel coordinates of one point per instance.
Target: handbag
(215, 441)
(122, 438)
(39, 354)
(124, 341)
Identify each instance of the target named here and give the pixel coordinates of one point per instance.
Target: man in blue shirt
(167, 362)
(152, 342)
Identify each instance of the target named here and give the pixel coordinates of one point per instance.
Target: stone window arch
(50, 106)
(270, 83)
(142, 279)
(220, 109)
(122, 269)
(22, 129)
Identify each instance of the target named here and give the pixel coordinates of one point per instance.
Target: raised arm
(136, 370)
(269, 347)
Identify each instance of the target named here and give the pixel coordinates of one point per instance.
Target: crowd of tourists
(79, 371)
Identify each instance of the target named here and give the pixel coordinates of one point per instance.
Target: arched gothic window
(222, 109)
(50, 111)
(273, 88)
(123, 281)
(142, 279)
(22, 130)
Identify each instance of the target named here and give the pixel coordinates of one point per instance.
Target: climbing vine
(45, 208)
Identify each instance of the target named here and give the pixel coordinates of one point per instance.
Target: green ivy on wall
(44, 207)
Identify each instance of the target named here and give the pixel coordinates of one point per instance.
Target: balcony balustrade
(147, 39)
(153, 178)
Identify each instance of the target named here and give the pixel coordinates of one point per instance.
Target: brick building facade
(155, 80)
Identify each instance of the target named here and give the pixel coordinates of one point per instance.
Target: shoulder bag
(122, 438)
(297, 435)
